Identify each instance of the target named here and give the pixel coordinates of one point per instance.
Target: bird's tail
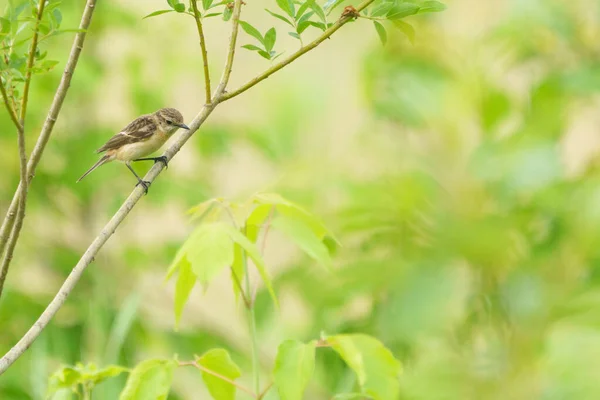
(103, 160)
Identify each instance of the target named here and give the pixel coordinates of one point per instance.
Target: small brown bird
(141, 137)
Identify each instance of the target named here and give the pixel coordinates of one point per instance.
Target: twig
(235, 23)
(216, 374)
(57, 103)
(198, 19)
(18, 225)
(137, 193)
(331, 30)
(265, 391)
(31, 60)
(9, 108)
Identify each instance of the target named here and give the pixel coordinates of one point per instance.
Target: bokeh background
(460, 173)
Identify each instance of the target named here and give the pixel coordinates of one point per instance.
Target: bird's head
(170, 120)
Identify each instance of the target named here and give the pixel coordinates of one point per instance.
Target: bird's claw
(145, 184)
(162, 159)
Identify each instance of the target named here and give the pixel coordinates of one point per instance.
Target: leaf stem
(198, 19)
(251, 324)
(217, 375)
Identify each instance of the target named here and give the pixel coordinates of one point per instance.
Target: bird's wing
(139, 130)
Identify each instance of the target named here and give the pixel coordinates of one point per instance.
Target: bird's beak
(184, 126)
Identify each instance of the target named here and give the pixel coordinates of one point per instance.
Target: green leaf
(237, 270)
(211, 15)
(375, 366)
(105, 373)
(264, 54)
(302, 10)
(331, 4)
(381, 32)
(294, 35)
(382, 9)
(4, 26)
(149, 380)
(64, 378)
(227, 13)
(172, 3)
(206, 4)
(292, 210)
(209, 250)
(402, 10)
(318, 10)
(406, 28)
(281, 17)
(186, 280)
(287, 6)
(294, 366)
(431, 6)
(57, 16)
(256, 219)
(159, 12)
(304, 237)
(180, 8)
(252, 31)
(254, 254)
(219, 361)
(206, 211)
(251, 47)
(270, 38)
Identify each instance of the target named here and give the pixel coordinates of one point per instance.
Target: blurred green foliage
(462, 182)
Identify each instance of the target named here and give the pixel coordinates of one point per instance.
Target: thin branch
(216, 374)
(31, 60)
(27, 340)
(330, 31)
(9, 108)
(239, 286)
(18, 225)
(198, 19)
(235, 23)
(55, 108)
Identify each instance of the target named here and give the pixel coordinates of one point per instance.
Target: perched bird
(140, 138)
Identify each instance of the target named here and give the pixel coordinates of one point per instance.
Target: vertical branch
(251, 325)
(31, 59)
(20, 216)
(198, 19)
(11, 111)
(55, 107)
(235, 23)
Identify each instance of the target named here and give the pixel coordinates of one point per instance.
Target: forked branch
(16, 230)
(40, 145)
(137, 193)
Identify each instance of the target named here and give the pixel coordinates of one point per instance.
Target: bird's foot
(145, 184)
(162, 159)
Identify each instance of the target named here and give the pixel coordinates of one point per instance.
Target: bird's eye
(169, 122)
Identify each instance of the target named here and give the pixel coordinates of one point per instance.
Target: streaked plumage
(143, 136)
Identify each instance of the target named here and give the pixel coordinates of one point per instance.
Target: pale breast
(132, 151)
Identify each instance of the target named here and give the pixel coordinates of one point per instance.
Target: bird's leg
(162, 159)
(145, 184)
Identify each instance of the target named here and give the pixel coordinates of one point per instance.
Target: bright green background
(460, 174)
